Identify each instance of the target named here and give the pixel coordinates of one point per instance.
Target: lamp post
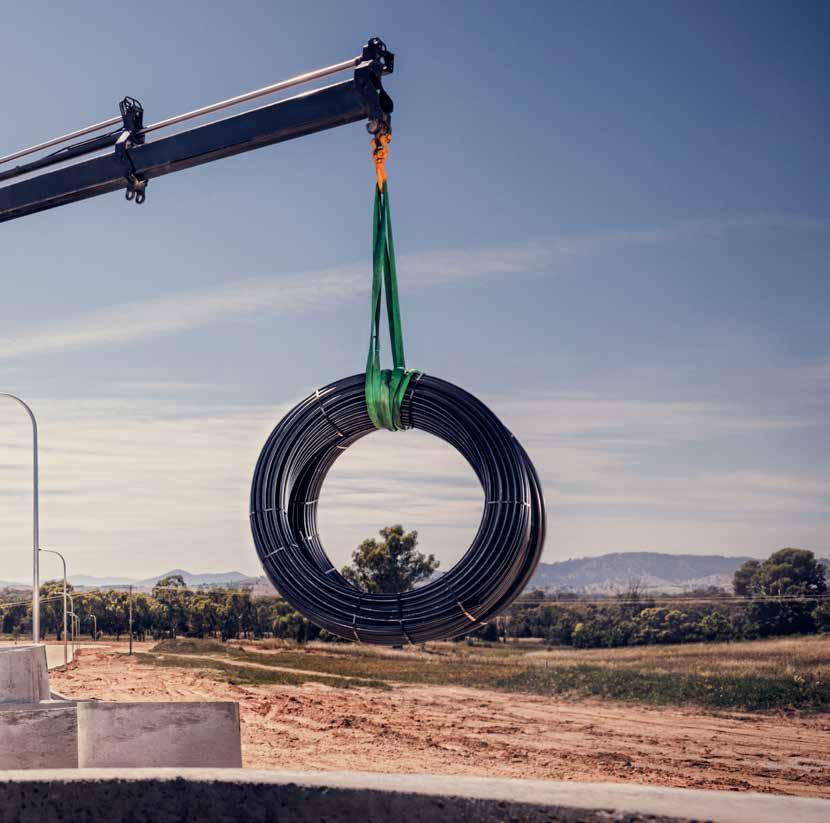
(36, 528)
(65, 639)
(95, 619)
(131, 619)
(74, 617)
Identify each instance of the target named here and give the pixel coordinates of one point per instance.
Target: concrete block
(38, 736)
(159, 734)
(24, 677)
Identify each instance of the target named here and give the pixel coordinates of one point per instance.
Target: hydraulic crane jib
(135, 160)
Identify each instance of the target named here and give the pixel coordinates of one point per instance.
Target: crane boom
(135, 160)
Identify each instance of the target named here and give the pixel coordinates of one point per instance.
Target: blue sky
(613, 223)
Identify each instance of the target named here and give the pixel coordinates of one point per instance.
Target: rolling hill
(656, 571)
(606, 573)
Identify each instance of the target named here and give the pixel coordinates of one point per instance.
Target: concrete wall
(24, 677)
(41, 736)
(214, 795)
(159, 734)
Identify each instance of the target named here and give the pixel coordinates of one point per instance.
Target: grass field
(786, 673)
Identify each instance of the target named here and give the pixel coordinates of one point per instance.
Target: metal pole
(36, 527)
(95, 625)
(112, 121)
(308, 77)
(131, 619)
(252, 95)
(65, 639)
(76, 630)
(72, 612)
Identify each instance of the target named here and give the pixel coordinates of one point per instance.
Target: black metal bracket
(377, 60)
(132, 116)
(375, 51)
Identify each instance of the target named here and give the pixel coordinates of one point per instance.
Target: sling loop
(385, 388)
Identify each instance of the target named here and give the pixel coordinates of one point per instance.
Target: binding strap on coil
(385, 388)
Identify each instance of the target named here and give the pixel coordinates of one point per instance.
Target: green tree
(663, 625)
(602, 627)
(51, 614)
(262, 615)
(391, 566)
(561, 629)
(744, 582)
(202, 615)
(17, 618)
(768, 618)
(715, 626)
(821, 616)
(785, 572)
(172, 595)
(289, 623)
(239, 604)
(792, 572)
(117, 612)
(148, 616)
(175, 581)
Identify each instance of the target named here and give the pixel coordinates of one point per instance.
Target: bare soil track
(455, 730)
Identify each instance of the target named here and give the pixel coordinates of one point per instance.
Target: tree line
(170, 609)
(784, 594)
(781, 595)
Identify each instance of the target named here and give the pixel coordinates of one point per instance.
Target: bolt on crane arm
(134, 160)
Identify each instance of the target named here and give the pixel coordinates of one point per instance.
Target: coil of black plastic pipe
(493, 571)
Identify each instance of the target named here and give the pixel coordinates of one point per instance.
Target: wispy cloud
(146, 477)
(296, 292)
(135, 484)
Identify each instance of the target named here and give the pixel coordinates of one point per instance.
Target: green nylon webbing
(385, 388)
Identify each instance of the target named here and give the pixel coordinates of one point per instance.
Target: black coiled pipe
(493, 571)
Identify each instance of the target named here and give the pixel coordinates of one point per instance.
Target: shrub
(715, 626)
(766, 618)
(661, 625)
(560, 632)
(821, 617)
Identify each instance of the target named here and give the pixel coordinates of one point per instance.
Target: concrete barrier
(24, 677)
(39, 736)
(209, 795)
(159, 734)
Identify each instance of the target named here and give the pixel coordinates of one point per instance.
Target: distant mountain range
(607, 573)
(190, 579)
(82, 581)
(655, 571)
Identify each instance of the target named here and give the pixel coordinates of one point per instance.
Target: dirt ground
(452, 730)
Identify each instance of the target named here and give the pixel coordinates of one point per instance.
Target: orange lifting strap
(380, 153)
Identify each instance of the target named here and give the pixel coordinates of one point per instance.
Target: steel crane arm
(134, 160)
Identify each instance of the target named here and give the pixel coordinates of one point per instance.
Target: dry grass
(806, 654)
(759, 675)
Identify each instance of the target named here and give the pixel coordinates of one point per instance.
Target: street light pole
(36, 529)
(72, 612)
(65, 639)
(131, 619)
(95, 623)
(74, 618)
